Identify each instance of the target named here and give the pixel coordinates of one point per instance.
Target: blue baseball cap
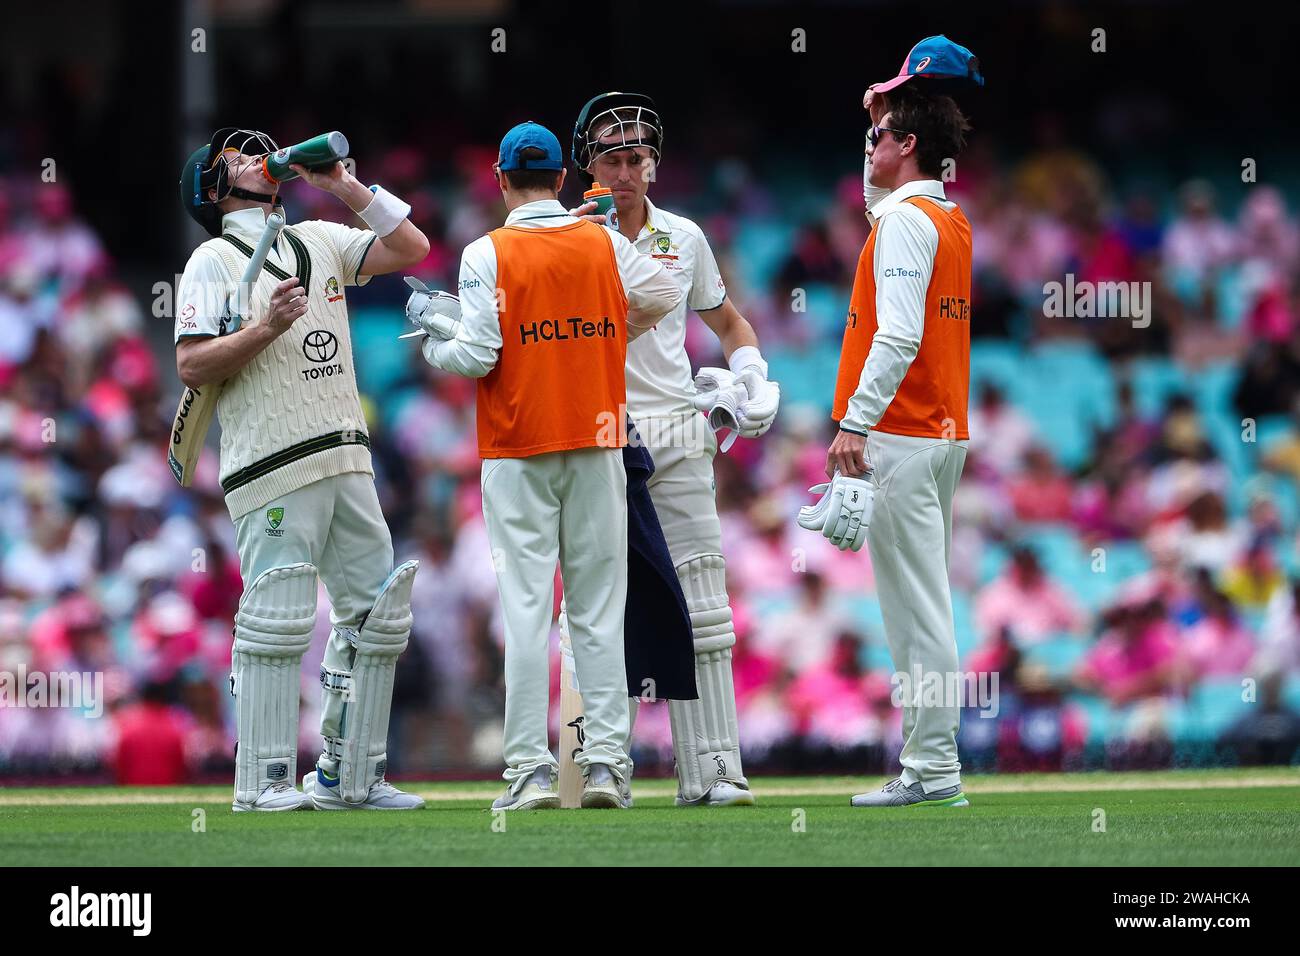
(936, 58)
(523, 136)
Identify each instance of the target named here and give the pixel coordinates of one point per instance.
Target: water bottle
(316, 153)
(603, 197)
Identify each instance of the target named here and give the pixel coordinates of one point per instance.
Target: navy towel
(657, 640)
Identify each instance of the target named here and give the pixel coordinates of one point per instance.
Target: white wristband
(385, 212)
(747, 356)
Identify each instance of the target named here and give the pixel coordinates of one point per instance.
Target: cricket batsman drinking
(617, 142)
(547, 306)
(900, 401)
(296, 471)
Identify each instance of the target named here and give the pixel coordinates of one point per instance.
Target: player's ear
(559, 184)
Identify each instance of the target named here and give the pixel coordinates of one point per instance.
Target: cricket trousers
(337, 525)
(570, 507)
(683, 487)
(910, 540)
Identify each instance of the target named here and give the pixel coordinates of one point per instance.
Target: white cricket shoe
(382, 796)
(898, 794)
(604, 791)
(275, 798)
(537, 793)
(724, 793)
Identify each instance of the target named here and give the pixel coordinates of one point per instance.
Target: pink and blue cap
(936, 58)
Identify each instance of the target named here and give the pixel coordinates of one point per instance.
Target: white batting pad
(272, 632)
(706, 738)
(357, 690)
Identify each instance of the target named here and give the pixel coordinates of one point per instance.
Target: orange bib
(931, 401)
(558, 383)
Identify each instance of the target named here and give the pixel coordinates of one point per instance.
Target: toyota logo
(320, 346)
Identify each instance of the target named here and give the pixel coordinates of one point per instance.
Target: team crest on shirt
(274, 517)
(663, 249)
(332, 290)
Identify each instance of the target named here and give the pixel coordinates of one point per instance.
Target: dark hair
(533, 180)
(935, 119)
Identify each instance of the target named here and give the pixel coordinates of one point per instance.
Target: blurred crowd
(1133, 597)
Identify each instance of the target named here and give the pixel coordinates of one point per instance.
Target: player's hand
(847, 454)
(331, 179)
(288, 305)
(585, 212)
(874, 103)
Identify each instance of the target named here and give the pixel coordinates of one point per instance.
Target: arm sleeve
(352, 246)
(649, 287)
(870, 194)
(476, 347)
(708, 291)
(202, 298)
(906, 243)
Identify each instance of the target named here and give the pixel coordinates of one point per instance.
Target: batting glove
(843, 512)
(763, 398)
(719, 395)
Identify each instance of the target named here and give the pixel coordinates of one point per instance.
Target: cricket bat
(572, 736)
(194, 413)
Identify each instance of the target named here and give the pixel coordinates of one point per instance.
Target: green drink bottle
(318, 152)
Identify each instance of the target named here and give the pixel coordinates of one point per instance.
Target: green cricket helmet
(613, 121)
(208, 168)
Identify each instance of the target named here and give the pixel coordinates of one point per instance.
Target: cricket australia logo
(274, 517)
(332, 290)
(663, 244)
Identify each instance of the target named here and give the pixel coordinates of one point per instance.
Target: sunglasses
(873, 134)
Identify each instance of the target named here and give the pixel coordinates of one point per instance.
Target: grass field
(1213, 817)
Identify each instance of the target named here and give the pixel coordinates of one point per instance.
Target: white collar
(537, 209)
(245, 223)
(654, 220)
(931, 188)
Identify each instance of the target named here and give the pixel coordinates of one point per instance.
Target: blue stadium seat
(760, 249)
(1291, 693)
(1104, 722)
(1154, 379)
(1215, 383)
(1059, 654)
(1271, 430)
(827, 307)
(1001, 362)
(878, 658)
(963, 616)
(381, 360)
(992, 560)
(806, 377)
(1214, 704)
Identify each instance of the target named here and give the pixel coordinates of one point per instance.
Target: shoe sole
(327, 805)
(601, 800)
(236, 808)
(956, 801)
(746, 801)
(551, 802)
